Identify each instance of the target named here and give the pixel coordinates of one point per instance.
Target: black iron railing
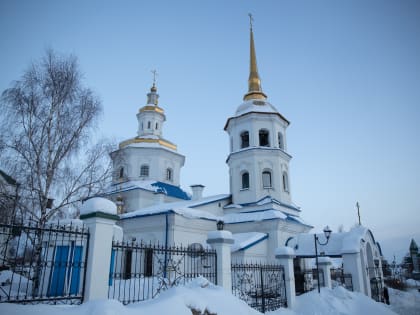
(43, 264)
(342, 279)
(141, 271)
(307, 280)
(262, 286)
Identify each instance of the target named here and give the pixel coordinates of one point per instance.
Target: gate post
(221, 241)
(99, 215)
(325, 265)
(285, 256)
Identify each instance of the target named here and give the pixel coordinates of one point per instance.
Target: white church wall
(189, 230)
(254, 254)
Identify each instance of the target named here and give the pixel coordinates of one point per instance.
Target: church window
(244, 139)
(263, 134)
(121, 175)
(169, 174)
(149, 124)
(285, 182)
(245, 180)
(266, 178)
(144, 171)
(281, 141)
(156, 127)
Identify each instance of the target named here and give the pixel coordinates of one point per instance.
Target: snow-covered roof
(256, 106)
(242, 241)
(338, 244)
(189, 209)
(184, 208)
(149, 185)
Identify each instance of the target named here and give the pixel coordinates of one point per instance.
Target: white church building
(259, 210)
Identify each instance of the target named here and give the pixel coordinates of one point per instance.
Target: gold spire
(254, 82)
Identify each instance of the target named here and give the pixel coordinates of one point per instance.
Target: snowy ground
(202, 296)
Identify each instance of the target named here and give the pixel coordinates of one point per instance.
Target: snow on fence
(262, 286)
(43, 263)
(141, 271)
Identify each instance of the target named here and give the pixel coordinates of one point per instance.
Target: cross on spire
(251, 19)
(155, 74)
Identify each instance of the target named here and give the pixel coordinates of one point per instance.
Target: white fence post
(325, 265)
(99, 215)
(285, 256)
(221, 241)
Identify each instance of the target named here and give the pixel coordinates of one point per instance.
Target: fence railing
(307, 280)
(342, 279)
(262, 286)
(141, 271)
(43, 264)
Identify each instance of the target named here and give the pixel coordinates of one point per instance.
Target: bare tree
(47, 120)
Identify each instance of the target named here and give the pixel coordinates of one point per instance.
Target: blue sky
(345, 73)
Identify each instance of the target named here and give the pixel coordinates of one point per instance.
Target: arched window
(149, 124)
(121, 174)
(156, 126)
(285, 182)
(144, 171)
(244, 139)
(169, 174)
(281, 141)
(266, 178)
(263, 134)
(245, 180)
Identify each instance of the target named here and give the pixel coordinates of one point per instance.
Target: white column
(221, 241)
(352, 264)
(285, 256)
(325, 265)
(99, 215)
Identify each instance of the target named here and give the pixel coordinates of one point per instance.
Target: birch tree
(47, 144)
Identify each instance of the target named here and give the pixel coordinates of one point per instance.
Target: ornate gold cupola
(254, 82)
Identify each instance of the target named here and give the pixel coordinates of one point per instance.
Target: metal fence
(43, 264)
(342, 279)
(262, 286)
(141, 271)
(307, 280)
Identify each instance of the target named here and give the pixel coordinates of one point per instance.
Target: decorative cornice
(100, 214)
(162, 142)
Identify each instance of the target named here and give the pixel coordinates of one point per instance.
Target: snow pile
(337, 301)
(404, 302)
(202, 296)
(205, 298)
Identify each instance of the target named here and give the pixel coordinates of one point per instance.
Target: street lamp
(220, 224)
(327, 233)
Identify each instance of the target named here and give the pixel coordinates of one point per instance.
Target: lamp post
(220, 224)
(327, 233)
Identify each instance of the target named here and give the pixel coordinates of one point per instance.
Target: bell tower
(258, 160)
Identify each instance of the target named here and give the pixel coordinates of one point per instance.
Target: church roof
(413, 245)
(243, 241)
(191, 209)
(149, 185)
(338, 243)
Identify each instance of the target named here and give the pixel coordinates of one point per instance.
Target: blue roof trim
(255, 242)
(171, 190)
(287, 219)
(273, 200)
(169, 211)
